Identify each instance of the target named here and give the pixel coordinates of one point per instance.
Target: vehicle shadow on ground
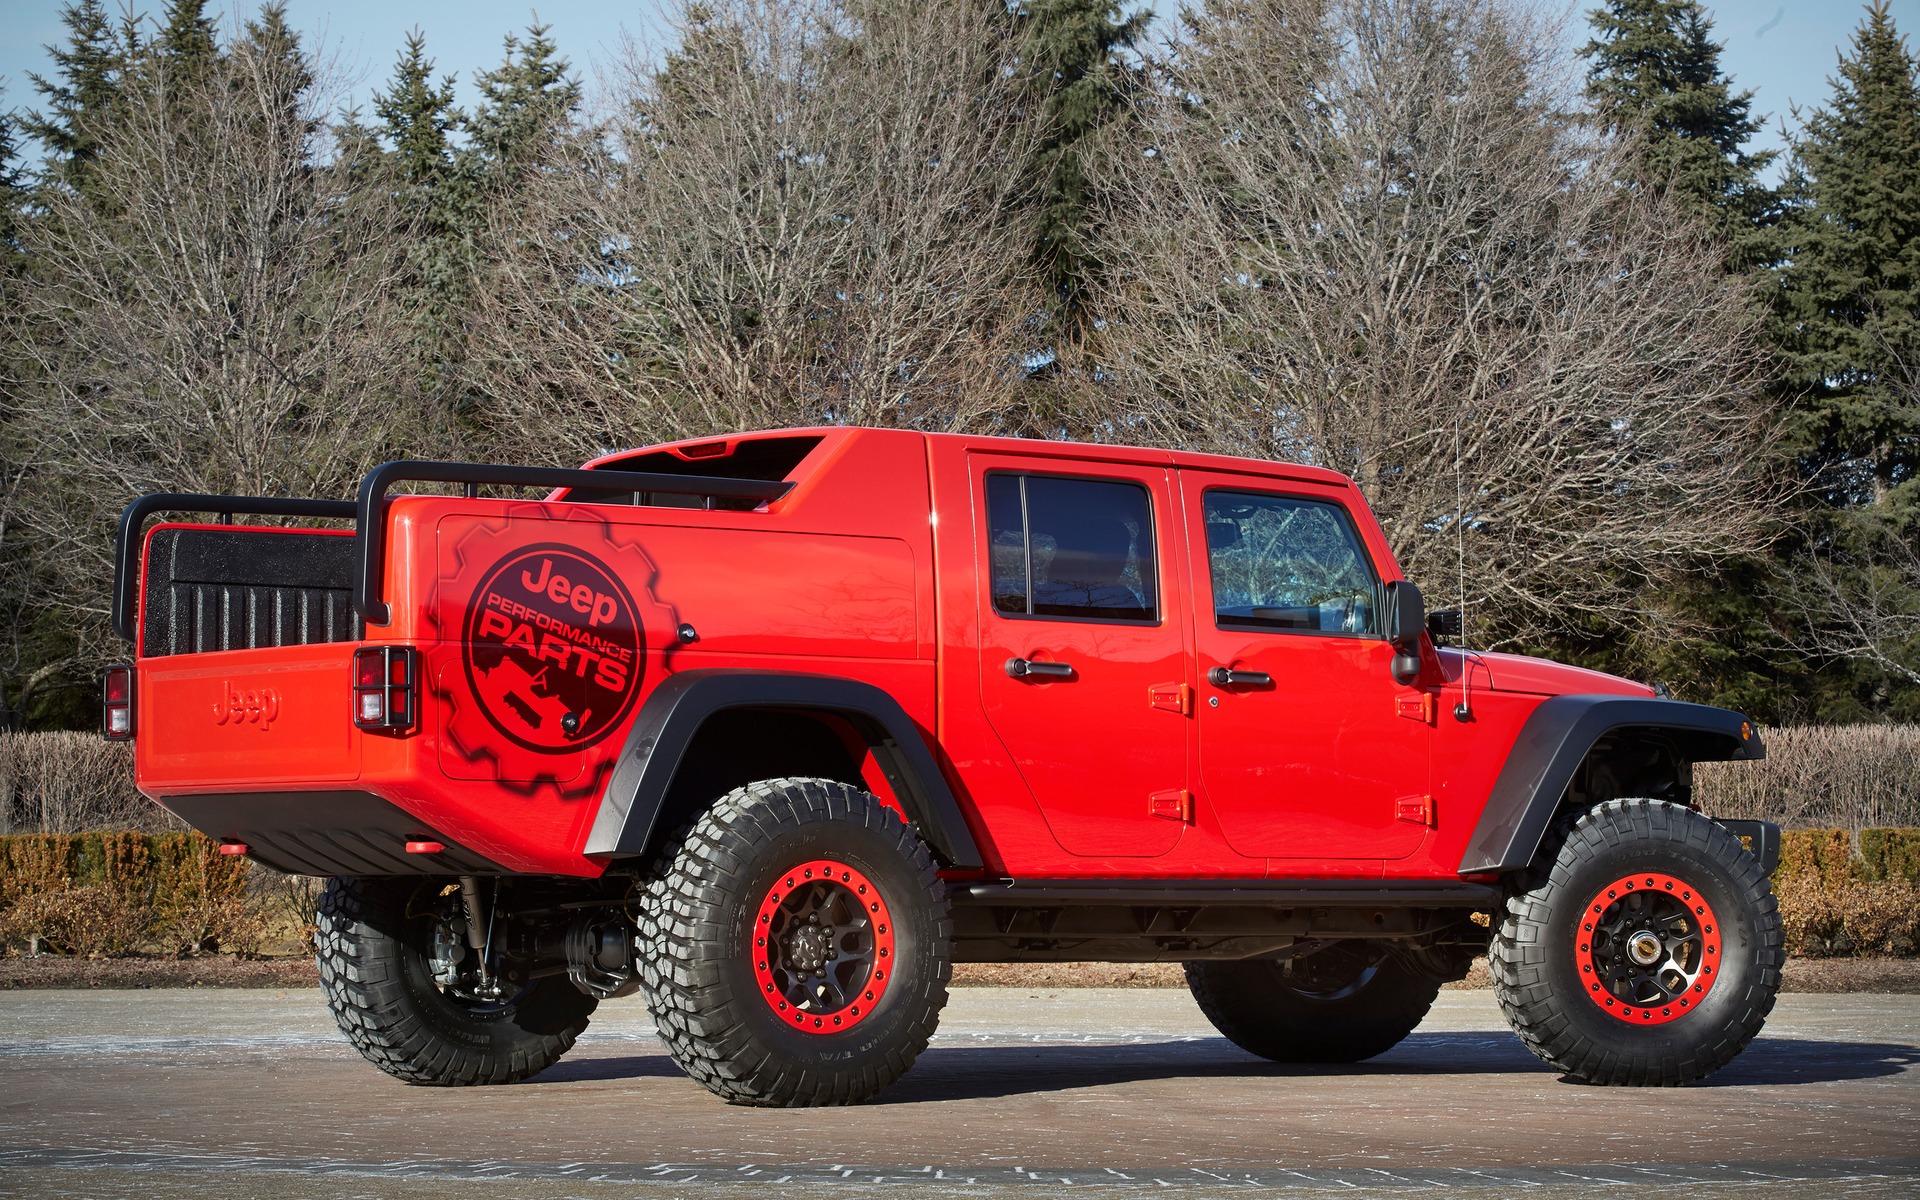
(949, 1072)
(953, 1073)
(1774, 1061)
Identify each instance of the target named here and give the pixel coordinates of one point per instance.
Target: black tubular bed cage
(313, 616)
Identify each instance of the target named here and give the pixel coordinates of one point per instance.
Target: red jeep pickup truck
(779, 726)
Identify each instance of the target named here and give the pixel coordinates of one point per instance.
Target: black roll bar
(126, 549)
(367, 600)
(368, 513)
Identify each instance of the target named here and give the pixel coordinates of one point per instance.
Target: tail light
(116, 704)
(385, 688)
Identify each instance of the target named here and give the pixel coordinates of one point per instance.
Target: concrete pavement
(1117, 1092)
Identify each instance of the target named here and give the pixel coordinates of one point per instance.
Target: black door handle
(1021, 668)
(1226, 677)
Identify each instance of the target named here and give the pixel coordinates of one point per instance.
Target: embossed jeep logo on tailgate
(238, 706)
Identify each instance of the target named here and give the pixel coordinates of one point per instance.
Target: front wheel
(797, 945)
(1646, 951)
(389, 953)
(1347, 1002)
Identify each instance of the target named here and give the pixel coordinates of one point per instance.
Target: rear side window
(1080, 549)
(1288, 564)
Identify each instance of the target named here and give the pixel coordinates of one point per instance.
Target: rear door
(1309, 749)
(1084, 664)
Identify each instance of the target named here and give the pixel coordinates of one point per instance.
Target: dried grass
(70, 783)
(1832, 776)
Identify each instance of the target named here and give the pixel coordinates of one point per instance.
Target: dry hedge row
(106, 894)
(100, 894)
(70, 782)
(1849, 877)
(1821, 777)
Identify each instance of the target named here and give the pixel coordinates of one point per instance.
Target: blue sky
(1783, 51)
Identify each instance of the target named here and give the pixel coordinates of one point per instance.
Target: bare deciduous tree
(808, 213)
(211, 316)
(1366, 235)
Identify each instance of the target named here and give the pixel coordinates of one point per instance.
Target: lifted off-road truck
(777, 727)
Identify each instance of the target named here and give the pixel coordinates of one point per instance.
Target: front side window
(1075, 548)
(1288, 564)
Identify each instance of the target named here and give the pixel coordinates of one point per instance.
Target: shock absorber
(478, 923)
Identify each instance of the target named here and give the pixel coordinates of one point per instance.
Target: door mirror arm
(1406, 621)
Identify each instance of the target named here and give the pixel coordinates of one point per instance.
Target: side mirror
(1406, 619)
(1445, 624)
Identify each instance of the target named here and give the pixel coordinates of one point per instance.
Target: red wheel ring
(823, 947)
(1648, 948)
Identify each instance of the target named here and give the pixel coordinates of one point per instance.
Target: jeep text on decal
(552, 649)
(258, 706)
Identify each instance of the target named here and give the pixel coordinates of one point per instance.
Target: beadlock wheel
(797, 945)
(1642, 948)
(822, 947)
(1649, 948)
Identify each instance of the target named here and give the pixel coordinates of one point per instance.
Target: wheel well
(1632, 762)
(738, 746)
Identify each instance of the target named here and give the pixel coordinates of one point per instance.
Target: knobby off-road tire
(1645, 950)
(375, 970)
(755, 998)
(1344, 1004)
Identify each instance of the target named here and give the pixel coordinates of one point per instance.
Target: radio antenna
(1460, 520)
(1464, 710)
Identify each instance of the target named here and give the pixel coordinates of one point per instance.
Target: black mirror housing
(1406, 621)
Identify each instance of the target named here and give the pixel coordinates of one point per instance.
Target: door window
(1287, 564)
(1080, 549)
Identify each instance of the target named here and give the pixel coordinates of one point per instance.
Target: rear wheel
(1345, 1003)
(1646, 951)
(392, 960)
(797, 951)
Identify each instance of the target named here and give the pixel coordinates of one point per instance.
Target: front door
(1083, 660)
(1308, 747)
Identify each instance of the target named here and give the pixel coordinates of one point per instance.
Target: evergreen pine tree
(526, 102)
(1848, 331)
(81, 93)
(417, 119)
(1850, 291)
(13, 197)
(1076, 49)
(187, 38)
(1655, 70)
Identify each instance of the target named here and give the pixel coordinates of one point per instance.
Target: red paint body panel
(544, 625)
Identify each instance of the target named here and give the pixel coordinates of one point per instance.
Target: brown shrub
(1843, 893)
(296, 898)
(1823, 854)
(1891, 853)
(71, 782)
(203, 902)
(1846, 776)
(110, 892)
(1824, 916)
(91, 922)
(32, 866)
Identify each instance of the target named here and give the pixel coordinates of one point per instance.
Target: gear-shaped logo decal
(553, 649)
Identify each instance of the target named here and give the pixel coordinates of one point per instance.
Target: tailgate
(243, 718)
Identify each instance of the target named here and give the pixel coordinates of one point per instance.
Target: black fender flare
(673, 714)
(1556, 739)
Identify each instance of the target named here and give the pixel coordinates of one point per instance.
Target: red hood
(1537, 676)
